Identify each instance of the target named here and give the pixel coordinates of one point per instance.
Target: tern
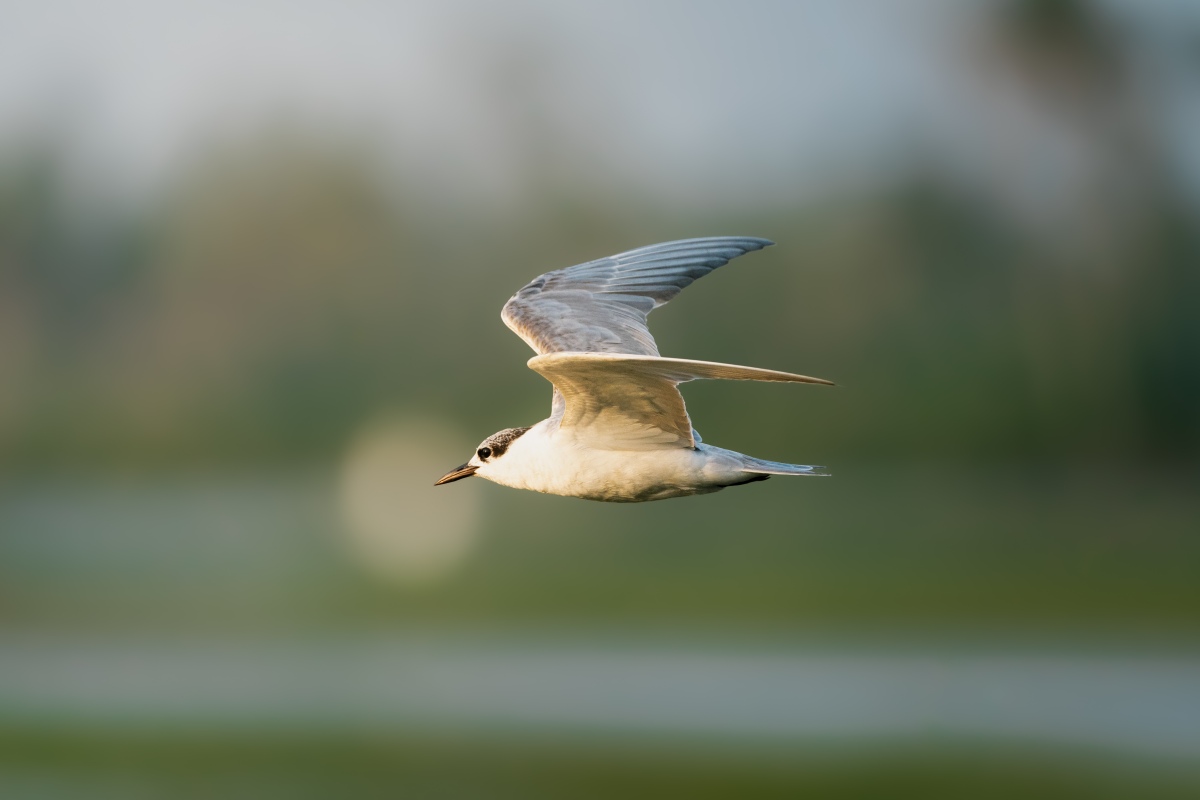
(618, 429)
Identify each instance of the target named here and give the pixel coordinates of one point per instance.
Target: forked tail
(758, 466)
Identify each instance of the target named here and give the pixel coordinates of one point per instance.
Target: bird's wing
(624, 401)
(601, 306)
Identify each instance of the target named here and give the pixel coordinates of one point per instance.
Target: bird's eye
(485, 453)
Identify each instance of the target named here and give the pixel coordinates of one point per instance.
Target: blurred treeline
(283, 287)
(280, 294)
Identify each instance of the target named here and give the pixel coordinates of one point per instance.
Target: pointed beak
(456, 474)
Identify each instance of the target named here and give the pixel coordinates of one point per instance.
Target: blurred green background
(251, 265)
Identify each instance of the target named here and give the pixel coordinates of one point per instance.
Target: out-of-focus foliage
(280, 293)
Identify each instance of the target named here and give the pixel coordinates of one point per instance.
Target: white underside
(553, 460)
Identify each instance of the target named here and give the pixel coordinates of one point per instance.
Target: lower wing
(626, 401)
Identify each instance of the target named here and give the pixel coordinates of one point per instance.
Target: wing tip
(747, 244)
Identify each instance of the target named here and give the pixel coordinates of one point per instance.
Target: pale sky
(741, 101)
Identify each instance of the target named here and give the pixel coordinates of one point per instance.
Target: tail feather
(759, 466)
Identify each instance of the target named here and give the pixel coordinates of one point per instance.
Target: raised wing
(630, 402)
(601, 306)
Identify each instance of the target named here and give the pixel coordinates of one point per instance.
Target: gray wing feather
(601, 306)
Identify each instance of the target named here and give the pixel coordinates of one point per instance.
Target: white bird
(618, 429)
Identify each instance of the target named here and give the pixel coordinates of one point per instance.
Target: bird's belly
(624, 476)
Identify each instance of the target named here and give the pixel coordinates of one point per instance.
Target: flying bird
(618, 429)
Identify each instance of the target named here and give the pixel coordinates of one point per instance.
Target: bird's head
(490, 450)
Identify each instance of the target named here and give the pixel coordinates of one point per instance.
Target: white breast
(547, 459)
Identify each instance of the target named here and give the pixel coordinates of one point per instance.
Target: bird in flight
(618, 429)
